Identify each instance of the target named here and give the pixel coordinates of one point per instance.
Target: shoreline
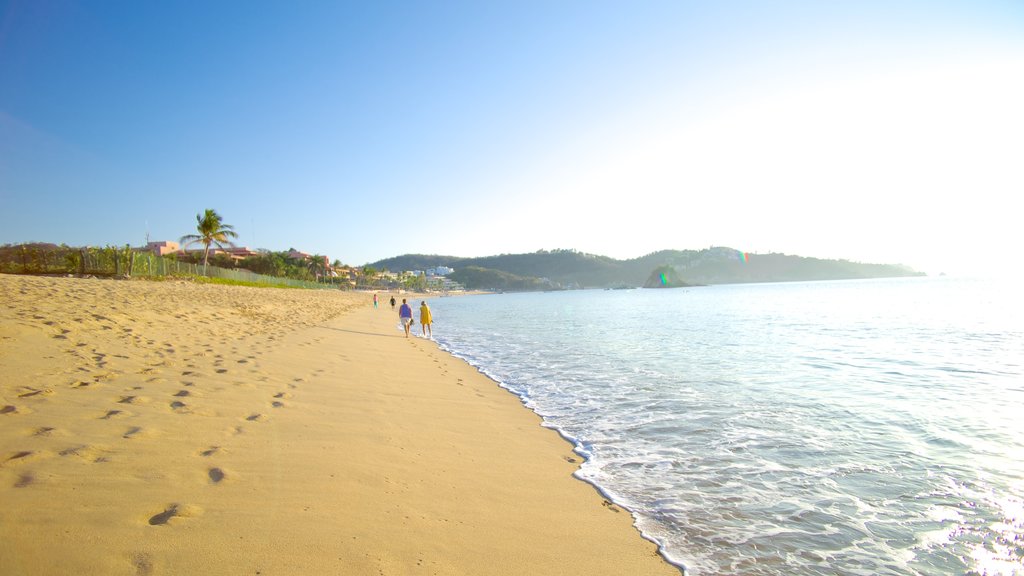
(573, 442)
(153, 428)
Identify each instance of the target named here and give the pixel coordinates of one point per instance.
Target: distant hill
(571, 269)
(665, 277)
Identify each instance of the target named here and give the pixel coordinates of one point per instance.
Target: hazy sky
(879, 131)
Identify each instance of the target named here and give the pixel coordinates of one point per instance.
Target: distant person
(374, 301)
(392, 302)
(405, 315)
(426, 320)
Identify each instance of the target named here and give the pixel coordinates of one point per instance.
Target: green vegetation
(495, 280)
(38, 258)
(276, 264)
(233, 282)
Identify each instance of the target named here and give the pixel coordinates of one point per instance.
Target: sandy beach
(181, 428)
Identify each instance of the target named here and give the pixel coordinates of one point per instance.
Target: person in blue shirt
(405, 315)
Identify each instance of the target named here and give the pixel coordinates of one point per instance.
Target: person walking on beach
(392, 302)
(425, 319)
(374, 301)
(405, 315)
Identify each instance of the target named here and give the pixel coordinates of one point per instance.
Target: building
(239, 252)
(163, 248)
(439, 271)
(168, 247)
(236, 253)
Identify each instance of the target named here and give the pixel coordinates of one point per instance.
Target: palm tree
(316, 266)
(211, 231)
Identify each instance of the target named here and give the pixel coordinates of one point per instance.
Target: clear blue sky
(878, 131)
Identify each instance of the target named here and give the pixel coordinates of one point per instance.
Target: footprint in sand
(132, 432)
(256, 417)
(26, 479)
(143, 564)
(216, 475)
(174, 511)
(112, 414)
(9, 409)
(34, 392)
(182, 393)
(20, 457)
(277, 404)
(178, 406)
(209, 451)
(88, 453)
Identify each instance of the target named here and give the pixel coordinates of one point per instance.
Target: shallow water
(856, 427)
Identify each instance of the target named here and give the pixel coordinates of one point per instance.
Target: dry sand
(176, 428)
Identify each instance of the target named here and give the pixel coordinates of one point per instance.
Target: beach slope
(177, 428)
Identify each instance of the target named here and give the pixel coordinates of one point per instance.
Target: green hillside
(557, 269)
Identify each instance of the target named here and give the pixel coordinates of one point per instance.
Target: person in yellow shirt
(425, 319)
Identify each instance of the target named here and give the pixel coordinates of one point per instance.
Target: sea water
(855, 427)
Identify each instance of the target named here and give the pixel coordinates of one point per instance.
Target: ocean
(855, 427)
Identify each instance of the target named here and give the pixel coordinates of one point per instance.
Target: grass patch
(218, 281)
(231, 282)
